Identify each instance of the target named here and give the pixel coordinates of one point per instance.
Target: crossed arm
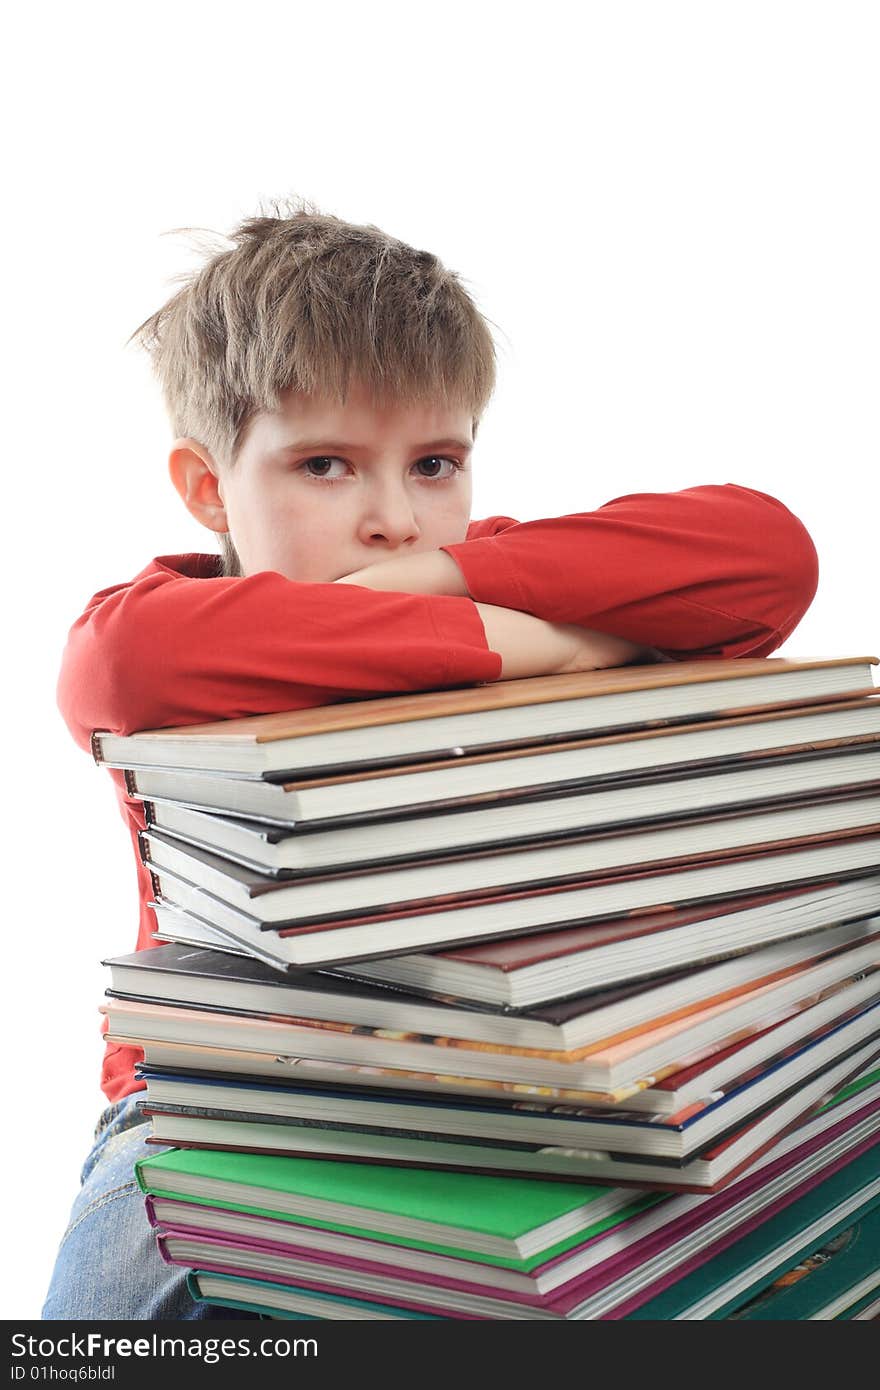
(711, 571)
(528, 646)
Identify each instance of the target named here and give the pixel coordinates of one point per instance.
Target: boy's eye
(330, 469)
(322, 467)
(436, 467)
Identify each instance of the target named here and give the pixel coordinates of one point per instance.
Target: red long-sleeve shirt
(709, 571)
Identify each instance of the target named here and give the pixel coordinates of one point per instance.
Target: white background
(670, 211)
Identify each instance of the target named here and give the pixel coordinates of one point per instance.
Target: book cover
(509, 1213)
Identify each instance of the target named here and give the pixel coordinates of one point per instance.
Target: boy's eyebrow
(326, 446)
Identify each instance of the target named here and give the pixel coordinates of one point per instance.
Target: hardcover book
(504, 712)
(289, 849)
(522, 971)
(533, 773)
(328, 896)
(273, 1300)
(204, 978)
(435, 924)
(804, 999)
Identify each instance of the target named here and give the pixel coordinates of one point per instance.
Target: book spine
(139, 1177)
(160, 1243)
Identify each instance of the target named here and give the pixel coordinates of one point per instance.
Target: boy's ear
(196, 477)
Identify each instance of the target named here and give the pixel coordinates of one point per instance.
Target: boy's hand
(426, 572)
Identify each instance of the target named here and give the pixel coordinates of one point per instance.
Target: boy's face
(320, 489)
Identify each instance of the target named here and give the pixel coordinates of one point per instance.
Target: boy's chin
(296, 576)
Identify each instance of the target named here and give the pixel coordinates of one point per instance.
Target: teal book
(716, 1289)
(834, 1281)
(273, 1300)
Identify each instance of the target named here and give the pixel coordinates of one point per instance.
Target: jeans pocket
(82, 1212)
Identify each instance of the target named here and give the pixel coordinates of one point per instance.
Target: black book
(207, 979)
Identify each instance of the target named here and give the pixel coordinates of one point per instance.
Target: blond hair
(307, 302)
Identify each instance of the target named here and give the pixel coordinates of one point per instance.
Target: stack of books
(550, 998)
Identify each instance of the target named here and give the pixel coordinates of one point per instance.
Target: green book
(166, 1218)
(861, 1083)
(722, 1285)
(512, 1218)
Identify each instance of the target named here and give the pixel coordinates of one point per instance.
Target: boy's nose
(389, 517)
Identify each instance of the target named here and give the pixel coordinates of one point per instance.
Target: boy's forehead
(360, 414)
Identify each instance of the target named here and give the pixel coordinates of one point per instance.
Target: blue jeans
(108, 1264)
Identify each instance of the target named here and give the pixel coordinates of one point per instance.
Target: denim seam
(97, 1204)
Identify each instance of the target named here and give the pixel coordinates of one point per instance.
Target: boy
(325, 382)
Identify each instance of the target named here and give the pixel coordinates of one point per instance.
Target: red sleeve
(172, 648)
(710, 571)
